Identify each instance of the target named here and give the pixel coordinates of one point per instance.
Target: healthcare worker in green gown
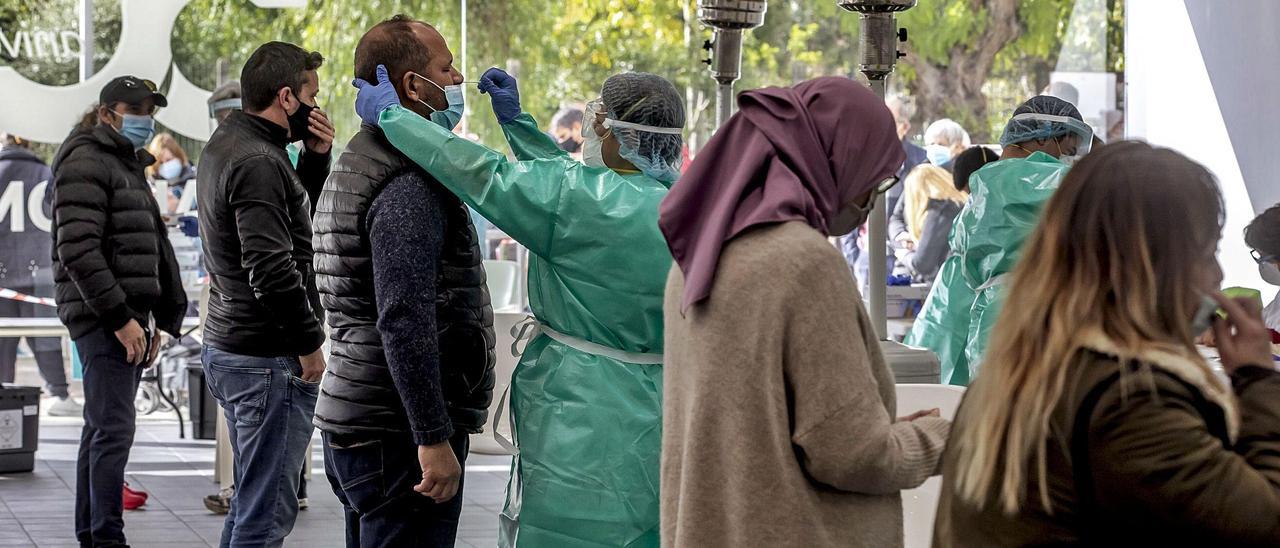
(1044, 134)
(586, 396)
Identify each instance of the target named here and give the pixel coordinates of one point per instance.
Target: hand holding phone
(1242, 337)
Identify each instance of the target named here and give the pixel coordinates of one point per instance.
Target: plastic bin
(203, 408)
(19, 428)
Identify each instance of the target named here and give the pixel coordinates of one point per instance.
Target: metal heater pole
(724, 103)
(879, 43)
(462, 8)
(877, 235)
(729, 18)
(727, 68)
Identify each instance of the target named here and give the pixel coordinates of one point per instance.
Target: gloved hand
(371, 100)
(190, 226)
(503, 93)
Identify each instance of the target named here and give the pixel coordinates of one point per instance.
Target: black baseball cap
(130, 90)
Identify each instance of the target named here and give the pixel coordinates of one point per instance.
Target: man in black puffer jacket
(401, 277)
(117, 282)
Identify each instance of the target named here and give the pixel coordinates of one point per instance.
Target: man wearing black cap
(117, 283)
(263, 332)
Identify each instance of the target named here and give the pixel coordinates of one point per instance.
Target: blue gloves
(371, 100)
(190, 226)
(503, 93)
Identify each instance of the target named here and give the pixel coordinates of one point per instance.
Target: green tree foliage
(971, 60)
(975, 60)
(561, 51)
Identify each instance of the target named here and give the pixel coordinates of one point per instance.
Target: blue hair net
(1046, 117)
(646, 115)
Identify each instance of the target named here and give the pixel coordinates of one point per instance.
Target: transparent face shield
(653, 150)
(1082, 131)
(591, 114)
(217, 107)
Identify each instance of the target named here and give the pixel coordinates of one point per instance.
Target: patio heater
(879, 40)
(879, 43)
(729, 18)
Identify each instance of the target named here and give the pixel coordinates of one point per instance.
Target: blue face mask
(137, 129)
(938, 154)
(449, 117)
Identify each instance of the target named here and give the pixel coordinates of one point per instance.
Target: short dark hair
(273, 66)
(969, 161)
(567, 117)
(393, 43)
(1263, 233)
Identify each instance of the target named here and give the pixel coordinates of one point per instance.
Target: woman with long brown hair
(1095, 420)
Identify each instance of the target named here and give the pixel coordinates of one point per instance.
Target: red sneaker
(135, 492)
(133, 500)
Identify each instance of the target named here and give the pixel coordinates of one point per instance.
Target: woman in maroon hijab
(778, 421)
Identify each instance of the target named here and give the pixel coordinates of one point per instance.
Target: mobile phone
(147, 333)
(1203, 318)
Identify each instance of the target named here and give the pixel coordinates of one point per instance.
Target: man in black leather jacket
(400, 271)
(116, 283)
(263, 333)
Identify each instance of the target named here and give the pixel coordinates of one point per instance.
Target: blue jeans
(268, 409)
(110, 384)
(373, 476)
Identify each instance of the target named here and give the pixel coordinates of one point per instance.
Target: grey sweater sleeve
(845, 433)
(406, 233)
(898, 220)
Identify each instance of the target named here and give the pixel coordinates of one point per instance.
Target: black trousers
(374, 475)
(110, 384)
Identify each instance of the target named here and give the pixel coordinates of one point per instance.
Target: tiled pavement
(36, 509)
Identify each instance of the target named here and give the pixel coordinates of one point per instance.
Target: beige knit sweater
(779, 416)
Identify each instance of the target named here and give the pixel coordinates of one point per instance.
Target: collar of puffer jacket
(1192, 370)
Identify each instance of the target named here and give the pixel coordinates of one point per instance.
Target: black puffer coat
(112, 260)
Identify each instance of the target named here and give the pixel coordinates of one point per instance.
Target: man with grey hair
(1064, 91)
(903, 110)
(224, 101)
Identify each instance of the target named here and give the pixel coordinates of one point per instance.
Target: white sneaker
(66, 407)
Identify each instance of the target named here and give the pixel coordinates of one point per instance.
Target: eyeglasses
(887, 185)
(138, 111)
(1260, 258)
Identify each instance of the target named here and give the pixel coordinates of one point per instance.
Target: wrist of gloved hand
(506, 117)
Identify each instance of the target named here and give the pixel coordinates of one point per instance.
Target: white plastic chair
(504, 285)
(919, 505)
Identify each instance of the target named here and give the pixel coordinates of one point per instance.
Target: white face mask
(171, 169)
(591, 149)
(1269, 272)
